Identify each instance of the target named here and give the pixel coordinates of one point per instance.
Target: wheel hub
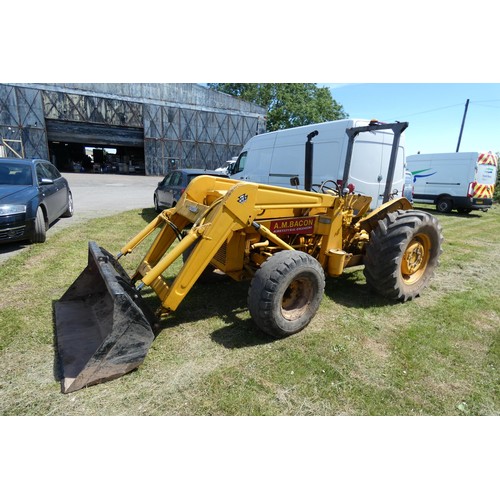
(415, 258)
(296, 298)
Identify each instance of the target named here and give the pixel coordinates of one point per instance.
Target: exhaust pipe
(308, 168)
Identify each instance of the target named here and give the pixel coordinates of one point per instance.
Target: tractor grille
(221, 256)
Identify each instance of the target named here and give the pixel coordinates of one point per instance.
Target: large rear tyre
(403, 254)
(285, 293)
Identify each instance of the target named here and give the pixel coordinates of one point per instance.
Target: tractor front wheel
(285, 293)
(403, 254)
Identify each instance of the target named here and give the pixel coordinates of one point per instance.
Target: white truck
(460, 181)
(373, 152)
(228, 165)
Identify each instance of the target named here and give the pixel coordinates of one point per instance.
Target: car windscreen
(14, 174)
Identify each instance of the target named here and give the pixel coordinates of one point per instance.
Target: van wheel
(403, 254)
(39, 233)
(285, 293)
(444, 205)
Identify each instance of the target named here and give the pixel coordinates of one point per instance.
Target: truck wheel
(39, 232)
(444, 205)
(285, 293)
(403, 254)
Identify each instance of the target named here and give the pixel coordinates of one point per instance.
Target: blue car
(170, 189)
(33, 194)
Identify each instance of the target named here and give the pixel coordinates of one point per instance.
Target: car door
(48, 191)
(164, 198)
(175, 187)
(61, 195)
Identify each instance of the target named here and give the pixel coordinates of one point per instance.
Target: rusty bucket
(103, 326)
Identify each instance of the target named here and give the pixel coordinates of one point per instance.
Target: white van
(461, 181)
(277, 157)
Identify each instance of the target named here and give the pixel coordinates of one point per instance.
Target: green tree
(288, 104)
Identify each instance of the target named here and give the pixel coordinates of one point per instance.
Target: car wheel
(39, 232)
(157, 206)
(69, 211)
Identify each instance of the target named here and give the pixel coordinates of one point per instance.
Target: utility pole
(462, 127)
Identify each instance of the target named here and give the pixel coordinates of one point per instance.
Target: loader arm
(236, 206)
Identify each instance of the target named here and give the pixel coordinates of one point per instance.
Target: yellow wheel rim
(415, 259)
(297, 298)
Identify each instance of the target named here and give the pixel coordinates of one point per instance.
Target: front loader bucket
(103, 327)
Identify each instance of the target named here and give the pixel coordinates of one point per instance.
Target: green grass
(361, 355)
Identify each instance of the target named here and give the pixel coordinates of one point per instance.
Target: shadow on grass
(148, 214)
(454, 213)
(13, 246)
(223, 298)
(351, 290)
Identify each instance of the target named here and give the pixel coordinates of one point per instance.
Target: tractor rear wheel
(403, 254)
(285, 293)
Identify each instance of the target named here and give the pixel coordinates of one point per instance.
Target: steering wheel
(326, 189)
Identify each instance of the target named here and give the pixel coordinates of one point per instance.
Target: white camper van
(461, 181)
(277, 157)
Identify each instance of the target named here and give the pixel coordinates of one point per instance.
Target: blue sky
(434, 112)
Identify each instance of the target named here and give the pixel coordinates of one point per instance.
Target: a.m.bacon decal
(297, 225)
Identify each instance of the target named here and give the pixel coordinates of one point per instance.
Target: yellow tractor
(284, 241)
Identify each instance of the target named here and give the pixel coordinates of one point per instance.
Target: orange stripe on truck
(483, 191)
(487, 159)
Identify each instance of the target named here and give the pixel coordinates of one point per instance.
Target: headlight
(12, 209)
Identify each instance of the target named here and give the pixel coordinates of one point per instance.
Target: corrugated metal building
(130, 127)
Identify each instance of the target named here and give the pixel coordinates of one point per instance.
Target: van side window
(240, 163)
